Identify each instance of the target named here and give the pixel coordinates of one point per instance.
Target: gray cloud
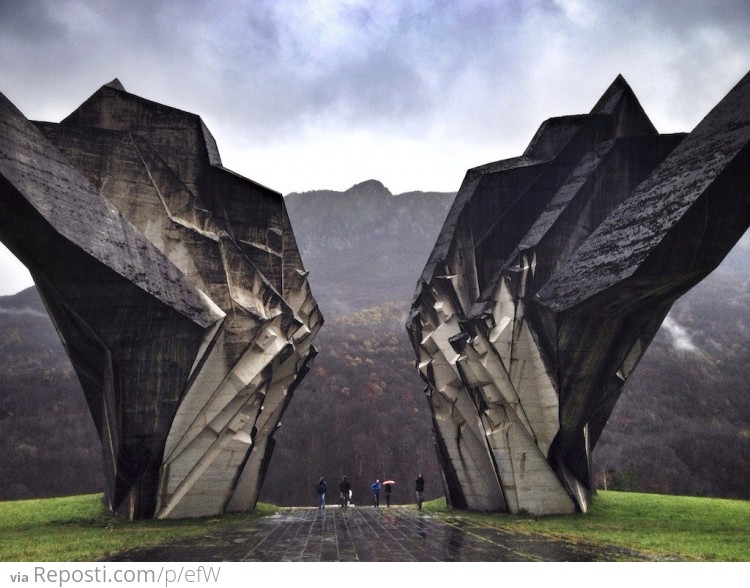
(275, 66)
(312, 94)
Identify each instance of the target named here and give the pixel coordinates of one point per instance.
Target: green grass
(79, 528)
(691, 528)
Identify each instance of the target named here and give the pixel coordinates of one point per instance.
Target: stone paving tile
(396, 534)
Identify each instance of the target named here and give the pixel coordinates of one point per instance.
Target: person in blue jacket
(376, 491)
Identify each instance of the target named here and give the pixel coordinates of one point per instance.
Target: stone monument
(550, 277)
(176, 287)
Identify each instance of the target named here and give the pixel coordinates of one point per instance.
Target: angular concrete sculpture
(177, 289)
(551, 275)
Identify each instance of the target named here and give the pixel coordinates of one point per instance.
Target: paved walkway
(396, 534)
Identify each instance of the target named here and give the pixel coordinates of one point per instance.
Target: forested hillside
(48, 443)
(365, 246)
(359, 413)
(682, 425)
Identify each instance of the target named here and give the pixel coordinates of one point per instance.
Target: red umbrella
(388, 482)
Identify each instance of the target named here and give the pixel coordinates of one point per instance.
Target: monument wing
(177, 288)
(552, 274)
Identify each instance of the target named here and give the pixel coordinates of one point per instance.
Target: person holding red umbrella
(388, 485)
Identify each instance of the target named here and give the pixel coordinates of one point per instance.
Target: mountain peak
(370, 186)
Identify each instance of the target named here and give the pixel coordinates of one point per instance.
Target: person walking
(419, 488)
(376, 491)
(388, 487)
(321, 490)
(344, 489)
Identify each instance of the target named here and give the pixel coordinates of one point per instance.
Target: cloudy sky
(309, 94)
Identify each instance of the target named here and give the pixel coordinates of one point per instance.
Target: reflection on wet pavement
(396, 534)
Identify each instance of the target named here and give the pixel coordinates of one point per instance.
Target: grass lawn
(697, 529)
(79, 528)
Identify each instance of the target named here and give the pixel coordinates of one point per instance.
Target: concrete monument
(176, 287)
(550, 277)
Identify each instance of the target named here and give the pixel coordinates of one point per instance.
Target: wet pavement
(395, 534)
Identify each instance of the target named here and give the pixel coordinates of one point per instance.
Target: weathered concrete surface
(550, 277)
(124, 207)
